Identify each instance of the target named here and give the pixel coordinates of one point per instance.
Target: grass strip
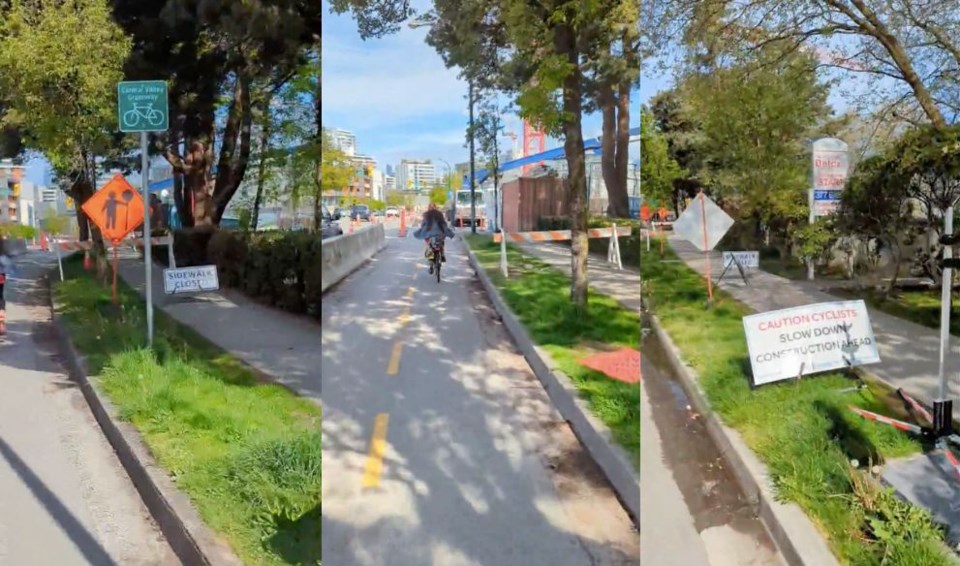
(540, 297)
(247, 453)
(802, 430)
(920, 307)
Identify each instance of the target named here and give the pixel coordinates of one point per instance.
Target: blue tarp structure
(167, 183)
(590, 146)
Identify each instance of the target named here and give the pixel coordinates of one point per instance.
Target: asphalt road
(64, 497)
(439, 444)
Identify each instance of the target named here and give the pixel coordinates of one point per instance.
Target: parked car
(392, 211)
(328, 226)
(337, 213)
(360, 212)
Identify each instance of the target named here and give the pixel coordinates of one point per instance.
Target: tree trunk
(235, 150)
(83, 223)
(198, 177)
(264, 144)
(622, 161)
(565, 44)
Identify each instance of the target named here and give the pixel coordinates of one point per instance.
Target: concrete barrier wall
(343, 255)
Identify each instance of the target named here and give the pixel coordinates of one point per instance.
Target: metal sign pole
(942, 409)
(147, 255)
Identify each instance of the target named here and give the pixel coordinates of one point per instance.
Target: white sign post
(191, 280)
(703, 224)
(830, 166)
(788, 343)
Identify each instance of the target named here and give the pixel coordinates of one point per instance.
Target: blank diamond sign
(690, 225)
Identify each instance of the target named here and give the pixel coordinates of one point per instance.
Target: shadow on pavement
(471, 432)
(81, 537)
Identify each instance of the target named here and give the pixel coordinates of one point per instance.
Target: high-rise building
(416, 175)
(345, 140)
(11, 186)
(389, 182)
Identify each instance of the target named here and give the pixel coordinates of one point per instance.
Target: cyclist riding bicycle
(434, 225)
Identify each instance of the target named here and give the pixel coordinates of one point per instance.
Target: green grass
(247, 453)
(540, 297)
(803, 430)
(921, 307)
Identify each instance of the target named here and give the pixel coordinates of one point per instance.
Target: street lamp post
(426, 21)
(449, 177)
(473, 179)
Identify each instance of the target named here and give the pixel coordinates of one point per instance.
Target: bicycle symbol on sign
(146, 112)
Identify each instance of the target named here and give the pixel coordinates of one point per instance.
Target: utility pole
(473, 182)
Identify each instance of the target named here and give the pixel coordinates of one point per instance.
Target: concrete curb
(797, 538)
(189, 537)
(593, 434)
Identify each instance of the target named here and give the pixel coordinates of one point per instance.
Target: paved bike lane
(64, 497)
(440, 445)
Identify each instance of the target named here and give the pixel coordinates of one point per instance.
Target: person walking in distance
(6, 268)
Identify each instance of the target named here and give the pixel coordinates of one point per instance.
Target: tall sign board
(830, 166)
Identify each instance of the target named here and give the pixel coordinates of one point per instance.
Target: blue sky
(397, 96)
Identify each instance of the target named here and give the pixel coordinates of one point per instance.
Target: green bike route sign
(142, 106)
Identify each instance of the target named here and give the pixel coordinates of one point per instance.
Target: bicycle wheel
(437, 263)
(131, 119)
(155, 118)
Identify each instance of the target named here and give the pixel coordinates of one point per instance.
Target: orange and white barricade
(86, 246)
(613, 232)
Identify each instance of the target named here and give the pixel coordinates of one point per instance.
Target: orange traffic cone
(403, 222)
(44, 245)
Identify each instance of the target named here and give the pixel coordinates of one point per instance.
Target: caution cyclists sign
(787, 343)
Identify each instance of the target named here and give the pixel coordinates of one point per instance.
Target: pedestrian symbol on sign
(103, 208)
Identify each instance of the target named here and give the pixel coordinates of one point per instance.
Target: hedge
(279, 269)
(629, 245)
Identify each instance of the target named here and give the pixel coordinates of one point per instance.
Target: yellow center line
(393, 366)
(378, 445)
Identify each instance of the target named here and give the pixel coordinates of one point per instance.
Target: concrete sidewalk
(284, 346)
(910, 353)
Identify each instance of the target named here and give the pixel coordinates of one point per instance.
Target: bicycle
(436, 254)
(131, 118)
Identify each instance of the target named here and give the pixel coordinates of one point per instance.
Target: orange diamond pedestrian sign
(117, 209)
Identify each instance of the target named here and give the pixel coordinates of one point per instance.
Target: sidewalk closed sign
(191, 279)
(747, 260)
(809, 339)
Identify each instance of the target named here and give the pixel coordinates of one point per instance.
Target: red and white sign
(831, 164)
(810, 339)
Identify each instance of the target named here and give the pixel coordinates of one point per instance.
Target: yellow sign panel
(16, 190)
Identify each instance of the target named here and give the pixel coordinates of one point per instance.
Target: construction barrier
(560, 235)
(86, 246)
(613, 252)
(342, 255)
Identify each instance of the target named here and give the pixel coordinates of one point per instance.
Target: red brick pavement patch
(622, 365)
